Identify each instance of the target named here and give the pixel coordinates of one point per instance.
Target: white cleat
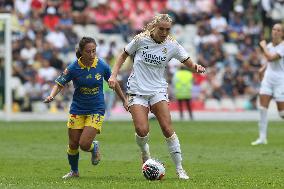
(259, 141)
(182, 174)
(71, 174)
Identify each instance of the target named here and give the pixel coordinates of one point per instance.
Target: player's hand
(48, 99)
(199, 68)
(262, 44)
(112, 82)
(125, 105)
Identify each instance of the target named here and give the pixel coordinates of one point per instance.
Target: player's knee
(281, 113)
(142, 132)
(73, 145)
(168, 132)
(84, 146)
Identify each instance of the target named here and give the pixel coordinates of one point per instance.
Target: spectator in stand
(33, 91)
(7, 5)
(236, 25)
(79, 11)
(245, 50)
(219, 23)
(56, 62)
(47, 72)
(177, 10)
(104, 18)
(23, 7)
(51, 19)
(57, 39)
(138, 18)
(28, 52)
(228, 82)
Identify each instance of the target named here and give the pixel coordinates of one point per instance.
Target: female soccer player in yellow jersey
(147, 86)
(88, 106)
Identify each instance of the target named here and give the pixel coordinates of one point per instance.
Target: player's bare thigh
(87, 137)
(140, 119)
(162, 113)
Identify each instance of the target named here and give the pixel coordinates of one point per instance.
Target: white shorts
(147, 100)
(276, 90)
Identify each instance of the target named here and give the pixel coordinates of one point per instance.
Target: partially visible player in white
(147, 85)
(272, 84)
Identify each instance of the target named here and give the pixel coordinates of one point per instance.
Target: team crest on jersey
(98, 76)
(89, 76)
(165, 50)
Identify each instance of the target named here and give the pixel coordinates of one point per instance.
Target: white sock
(143, 145)
(262, 125)
(174, 149)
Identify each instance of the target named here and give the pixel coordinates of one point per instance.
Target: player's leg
(139, 115)
(159, 106)
(189, 108)
(264, 101)
(73, 153)
(87, 143)
(180, 108)
(279, 98)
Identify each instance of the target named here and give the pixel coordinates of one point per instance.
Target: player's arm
(64, 78)
(121, 96)
(196, 68)
(121, 59)
(261, 71)
(269, 56)
(55, 90)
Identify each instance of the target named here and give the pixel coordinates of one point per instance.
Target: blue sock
(73, 161)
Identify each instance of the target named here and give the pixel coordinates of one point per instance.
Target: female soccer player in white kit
(147, 86)
(272, 84)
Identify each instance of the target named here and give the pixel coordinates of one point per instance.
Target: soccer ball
(153, 169)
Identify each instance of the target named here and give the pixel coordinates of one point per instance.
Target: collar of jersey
(94, 65)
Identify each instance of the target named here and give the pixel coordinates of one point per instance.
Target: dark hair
(82, 44)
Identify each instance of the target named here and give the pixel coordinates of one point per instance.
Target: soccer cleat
(182, 174)
(71, 174)
(96, 156)
(259, 141)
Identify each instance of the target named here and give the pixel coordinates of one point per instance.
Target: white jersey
(150, 59)
(274, 72)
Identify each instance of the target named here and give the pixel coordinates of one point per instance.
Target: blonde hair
(157, 19)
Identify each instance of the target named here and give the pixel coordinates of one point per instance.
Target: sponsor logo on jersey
(153, 58)
(89, 91)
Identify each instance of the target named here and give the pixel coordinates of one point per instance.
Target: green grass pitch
(215, 154)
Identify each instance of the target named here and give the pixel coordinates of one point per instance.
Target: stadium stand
(221, 35)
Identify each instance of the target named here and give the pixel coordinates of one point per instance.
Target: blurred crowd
(222, 35)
